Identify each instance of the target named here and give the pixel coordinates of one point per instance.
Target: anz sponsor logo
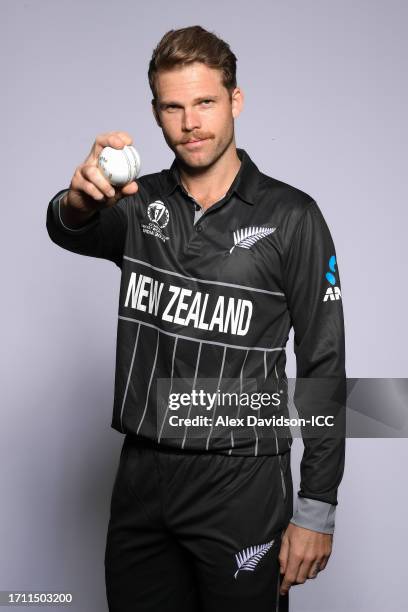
(333, 292)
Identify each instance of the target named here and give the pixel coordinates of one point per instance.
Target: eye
(206, 102)
(170, 107)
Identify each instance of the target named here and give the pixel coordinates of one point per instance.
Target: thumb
(130, 188)
(122, 192)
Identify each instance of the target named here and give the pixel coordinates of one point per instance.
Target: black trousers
(193, 532)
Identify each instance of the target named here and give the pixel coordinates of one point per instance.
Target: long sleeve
(103, 235)
(312, 287)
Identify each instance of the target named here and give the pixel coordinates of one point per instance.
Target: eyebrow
(199, 99)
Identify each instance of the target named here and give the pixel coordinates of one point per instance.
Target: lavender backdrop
(325, 110)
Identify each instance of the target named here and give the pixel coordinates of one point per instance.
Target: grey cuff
(314, 514)
(56, 212)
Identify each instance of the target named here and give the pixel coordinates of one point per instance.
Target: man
(218, 260)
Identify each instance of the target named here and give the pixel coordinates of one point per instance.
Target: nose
(191, 120)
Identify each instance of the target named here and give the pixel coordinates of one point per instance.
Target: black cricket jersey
(212, 296)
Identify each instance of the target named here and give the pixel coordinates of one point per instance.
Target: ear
(155, 113)
(237, 102)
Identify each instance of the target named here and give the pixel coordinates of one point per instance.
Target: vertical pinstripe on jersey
(274, 430)
(194, 384)
(161, 332)
(150, 381)
(240, 391)
(279, 455)
(218, 385)
(171, 387)
(128, 378)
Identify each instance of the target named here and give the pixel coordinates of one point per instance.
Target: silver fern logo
(247, 236)
(249, 558)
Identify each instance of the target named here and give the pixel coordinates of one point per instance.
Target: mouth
(195, 143)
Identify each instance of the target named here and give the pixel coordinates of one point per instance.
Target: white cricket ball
(120, 166)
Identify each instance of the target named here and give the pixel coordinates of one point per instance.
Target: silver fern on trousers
(248, 558)
(247, 236)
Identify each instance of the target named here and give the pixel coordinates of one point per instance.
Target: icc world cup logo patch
(158, 213)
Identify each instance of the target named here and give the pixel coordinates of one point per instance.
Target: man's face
(193, 104)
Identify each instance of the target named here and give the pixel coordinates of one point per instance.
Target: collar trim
(245, 184)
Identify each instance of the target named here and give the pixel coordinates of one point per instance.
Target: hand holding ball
(120, 166)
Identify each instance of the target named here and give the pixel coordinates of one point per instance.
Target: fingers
(324, 561)
(95, 176)
(303, 554)
(117, 140)
(292, 569)
(130, 188)
(90, 180)
(309, 568)
(126, 190)
(284, 554)
(90, 185)
(314, 570)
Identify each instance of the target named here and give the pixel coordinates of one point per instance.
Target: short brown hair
(193, 44)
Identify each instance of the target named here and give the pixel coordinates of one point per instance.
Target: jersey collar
(245, 184)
